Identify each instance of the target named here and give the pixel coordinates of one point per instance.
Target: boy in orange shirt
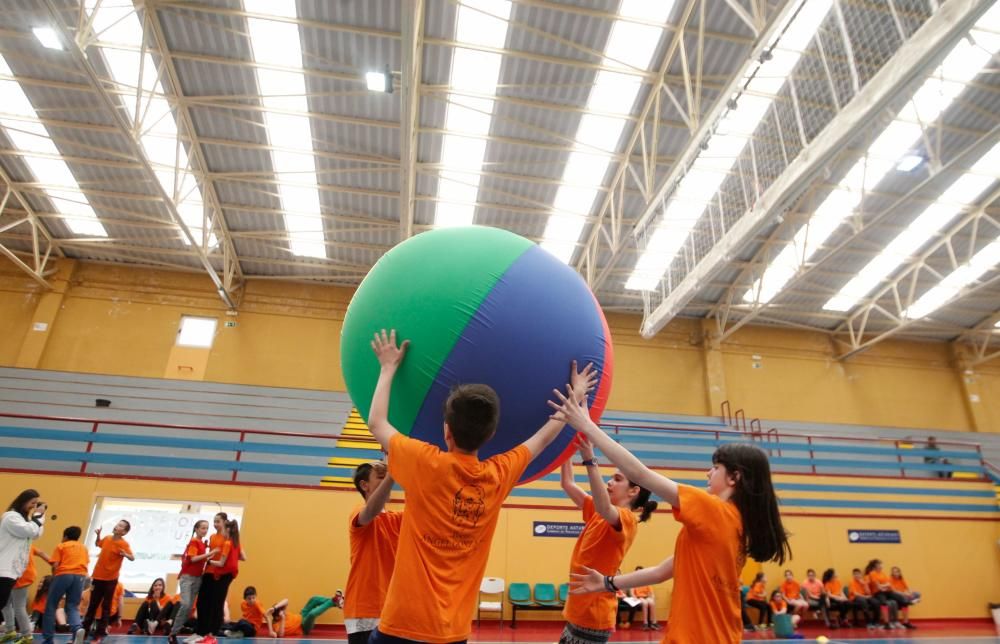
(114, 550)
(374, 537)
(69, 569)
(452, 504)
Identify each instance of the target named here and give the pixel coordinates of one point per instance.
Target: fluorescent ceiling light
(630, 47)
(964, 191)
(278, 43)
(31, 138)
(909, 163)
(953, 284)
(702, 181)
(891, 149)
(467, 120)
(48, 37)
(118, 24)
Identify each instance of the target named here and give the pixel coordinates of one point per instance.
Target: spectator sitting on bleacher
(815, 595)
(883, 593)
(835, 597)
(860, 594)
(757, 598)
(647, 601)
(780, 607)
(791, 592)
(931, 460)
(900, 586)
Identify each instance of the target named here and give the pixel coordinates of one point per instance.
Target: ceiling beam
(129, 135)
(412, 58)
(911, 62)
(232, 272)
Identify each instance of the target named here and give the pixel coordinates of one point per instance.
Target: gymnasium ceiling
(820, 164)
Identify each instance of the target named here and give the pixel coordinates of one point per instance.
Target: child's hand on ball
(389, 355)
(582, 382)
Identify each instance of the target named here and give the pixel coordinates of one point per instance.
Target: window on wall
(160, 531)
(196, 332)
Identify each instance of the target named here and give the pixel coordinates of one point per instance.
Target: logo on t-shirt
(469, 505)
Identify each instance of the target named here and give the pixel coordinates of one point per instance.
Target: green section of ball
(427, 288)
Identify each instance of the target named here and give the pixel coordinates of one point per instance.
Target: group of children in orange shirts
(871, 596)
(421, 575)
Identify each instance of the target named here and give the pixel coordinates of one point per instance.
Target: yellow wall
(123, 321)
(308, 553)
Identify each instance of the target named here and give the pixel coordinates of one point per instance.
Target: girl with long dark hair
(19, 526)
(224, 570)
(736, 517)
(610, 528)
(206, 593)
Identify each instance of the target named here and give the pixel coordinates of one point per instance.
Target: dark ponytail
(642, 502)
(764, 537)
(828, 575)
(233, 532)
(871, 565)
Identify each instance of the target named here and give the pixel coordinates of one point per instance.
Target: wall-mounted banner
(556, 529)
(874, 536)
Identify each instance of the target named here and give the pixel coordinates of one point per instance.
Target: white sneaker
(895, 625)
(192, 639)
(150, 626)
(78, 636)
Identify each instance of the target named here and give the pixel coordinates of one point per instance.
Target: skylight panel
(467, 120)
(963, 63)
(953, 284)
(48, 37)
(118, 24)
(278, 43)
(763, 83)
(630, 47)
(30, 137)
(966, 190)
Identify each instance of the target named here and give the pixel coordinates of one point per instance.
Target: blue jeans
(70, 587)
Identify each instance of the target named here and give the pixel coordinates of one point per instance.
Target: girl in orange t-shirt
(780, 607)
(900, 586)
(791, 592)
(883, 592)
(757, 598)
(735, 517)
(206, 604)
(610, 528)
(153, 611)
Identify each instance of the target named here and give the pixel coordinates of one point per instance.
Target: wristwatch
(590, 463)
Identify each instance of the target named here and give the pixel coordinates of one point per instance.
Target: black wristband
(590, 463)
(611, 582)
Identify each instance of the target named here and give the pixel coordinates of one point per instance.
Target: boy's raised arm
(581, 382)
(389, 357)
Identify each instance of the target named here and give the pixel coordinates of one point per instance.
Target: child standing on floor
(737, 516)
(206, 592)
(15, 613)
(192, 569)
(374, 537)
(114, 550)
(609, 530)
(452, 504)
(224, 570)
(69, 569)
(19, 526)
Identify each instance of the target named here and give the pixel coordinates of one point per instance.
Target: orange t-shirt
(602, 548)
(875, 578)
(813, 588)
(779, 605)
(858, 588)
(757, 592)
(70, 558)
(373, 555)
(28, 576)
(215, 543)
(791, 589)
(225, 549)
(109, 562)
(899, 585)
(254, 613)
(834, 587)
(642, 592)
(293, 625)
(708, 559)
(38, 606)
(452, 506)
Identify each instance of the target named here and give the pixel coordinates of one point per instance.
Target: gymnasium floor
(976, 633)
